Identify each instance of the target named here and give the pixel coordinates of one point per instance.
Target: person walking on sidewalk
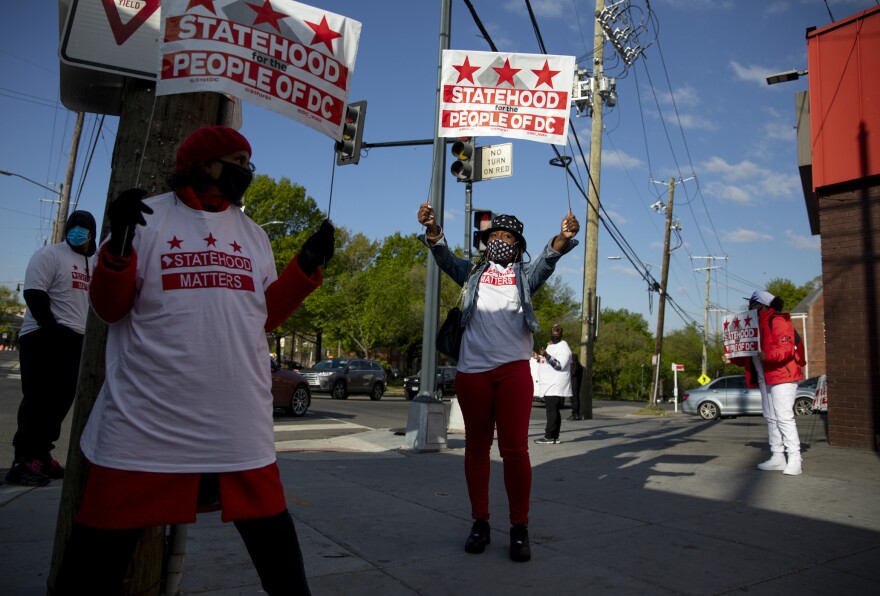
(183, 423)
(56, 291)
(776, 371)
(493, 382)
(577, 373)
(555, 383)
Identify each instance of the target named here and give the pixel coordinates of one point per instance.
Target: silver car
(729, 396)
(343, 376)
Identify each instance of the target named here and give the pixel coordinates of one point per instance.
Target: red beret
(210, 142)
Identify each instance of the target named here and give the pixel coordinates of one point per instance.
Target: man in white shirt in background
(555, 383)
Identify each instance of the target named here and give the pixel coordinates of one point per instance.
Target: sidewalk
(625, 505)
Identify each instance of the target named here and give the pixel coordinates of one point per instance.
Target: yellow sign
(704, 379)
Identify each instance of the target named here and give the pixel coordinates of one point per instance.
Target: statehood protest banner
(742, 337)
(520, 96)
(289, 57)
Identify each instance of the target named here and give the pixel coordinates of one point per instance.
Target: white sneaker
(794, 465)
(776, 462)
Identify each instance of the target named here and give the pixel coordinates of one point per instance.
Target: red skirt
(118, 499)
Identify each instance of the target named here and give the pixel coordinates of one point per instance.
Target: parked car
(729, 396)
(341, 377)
(290, 391)
(445, 382)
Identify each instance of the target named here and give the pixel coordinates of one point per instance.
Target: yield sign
(115, 36)
(142, 11)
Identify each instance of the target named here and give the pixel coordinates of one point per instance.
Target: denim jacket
(535, 273)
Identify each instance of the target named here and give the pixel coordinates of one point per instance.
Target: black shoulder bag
(449, 335)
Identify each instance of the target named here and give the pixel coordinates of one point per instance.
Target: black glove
(318, 249)
(125, 213)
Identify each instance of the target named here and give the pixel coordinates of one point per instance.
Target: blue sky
(695, 106)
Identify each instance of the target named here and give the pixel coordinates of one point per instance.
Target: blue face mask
(77, 236)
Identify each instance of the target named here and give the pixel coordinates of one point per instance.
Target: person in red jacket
(183, 422)
(776, 372)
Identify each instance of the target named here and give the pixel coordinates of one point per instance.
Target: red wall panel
(844, 81)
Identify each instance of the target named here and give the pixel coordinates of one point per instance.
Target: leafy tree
(788, 291)
(10, 306)
(623, 346)
(682, 346)
(555, 303)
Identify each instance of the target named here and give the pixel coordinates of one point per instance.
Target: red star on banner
(323, 33)
(235, 246)
(76, 268)
(545, 75)
(506, 73)
(210, 239)
(267, 14)
(466, 71)
(209, 4)
(726, 325)
(735, 323)
(174, 242)
(748, 321)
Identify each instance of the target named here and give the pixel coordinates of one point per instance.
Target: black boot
(479, 538)
(520, 550)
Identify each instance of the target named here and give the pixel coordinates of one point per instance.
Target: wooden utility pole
(64, 205)
(150, 129)
(708, 268)
(661, 308)
(589, 310)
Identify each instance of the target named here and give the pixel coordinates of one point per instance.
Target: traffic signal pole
(468, 195)
(426, 422)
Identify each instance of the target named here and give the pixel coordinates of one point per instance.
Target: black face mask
(233, 181)
(556, 338)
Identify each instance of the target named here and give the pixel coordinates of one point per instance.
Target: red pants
(500, 397)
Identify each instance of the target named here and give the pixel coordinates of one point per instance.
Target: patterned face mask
(500, 251)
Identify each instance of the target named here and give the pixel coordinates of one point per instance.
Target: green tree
(790, 293)
(10, 307)
(682, 346)
(289, 217)
(623, 351)
(554, 303)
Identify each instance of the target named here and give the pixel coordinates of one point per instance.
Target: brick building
(839, 163)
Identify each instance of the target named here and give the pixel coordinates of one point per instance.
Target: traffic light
(348, 150)
(482, 221)
(466, 167)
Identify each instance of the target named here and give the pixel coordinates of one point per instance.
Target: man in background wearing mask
(183, 423)
(555, 371)
(56, 291)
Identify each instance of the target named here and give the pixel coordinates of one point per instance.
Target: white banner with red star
(289, 57)
(742, 337)
(520, 96)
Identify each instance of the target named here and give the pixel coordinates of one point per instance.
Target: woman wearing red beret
(183, 422)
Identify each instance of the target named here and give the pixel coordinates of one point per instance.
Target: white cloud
(751, 74)
(742, 236)
(747, 182)
(684, 97)
(620, 159)
(617, 217)
(803, 242)
(780, 131)
(542, 8)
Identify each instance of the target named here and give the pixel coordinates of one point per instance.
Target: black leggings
(95, 560)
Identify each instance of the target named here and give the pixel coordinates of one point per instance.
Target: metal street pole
(426, 423)
(591, 229)
(661, 308)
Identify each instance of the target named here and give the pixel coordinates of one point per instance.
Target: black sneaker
(546, 441)
(479, 537)
(520, 550)
(27, 474)
(54, 469)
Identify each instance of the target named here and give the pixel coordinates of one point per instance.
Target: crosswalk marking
(337, 425)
